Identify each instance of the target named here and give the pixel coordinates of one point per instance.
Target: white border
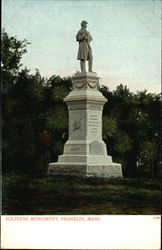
(81, 232)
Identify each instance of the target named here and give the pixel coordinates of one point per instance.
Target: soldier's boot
(82, 66)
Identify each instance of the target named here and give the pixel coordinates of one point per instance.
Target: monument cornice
(87, 80)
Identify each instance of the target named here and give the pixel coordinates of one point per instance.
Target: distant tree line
(35, 120)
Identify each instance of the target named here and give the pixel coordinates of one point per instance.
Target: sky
(126, 38)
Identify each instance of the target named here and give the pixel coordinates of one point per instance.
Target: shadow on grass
(72, 195)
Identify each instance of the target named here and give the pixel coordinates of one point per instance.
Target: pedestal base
(112, 170)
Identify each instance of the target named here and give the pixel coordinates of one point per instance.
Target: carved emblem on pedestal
(77, 125)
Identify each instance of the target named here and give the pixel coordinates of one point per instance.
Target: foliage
(130, 120)
(109, 127)
(148, 153)
(12, 51)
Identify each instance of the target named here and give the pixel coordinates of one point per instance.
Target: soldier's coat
(84, 38)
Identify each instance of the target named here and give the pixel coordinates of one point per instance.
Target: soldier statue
(84, 53)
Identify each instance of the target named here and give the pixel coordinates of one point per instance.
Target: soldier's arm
(80, 36)
(89, 37)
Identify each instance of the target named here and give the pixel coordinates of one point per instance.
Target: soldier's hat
(83, 22)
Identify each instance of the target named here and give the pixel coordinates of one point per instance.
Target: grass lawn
(61, 195)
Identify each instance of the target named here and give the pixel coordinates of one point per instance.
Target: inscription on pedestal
(75, 149)
(94, 107)
(94, 124)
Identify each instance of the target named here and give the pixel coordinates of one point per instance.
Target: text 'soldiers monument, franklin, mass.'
(85, 152)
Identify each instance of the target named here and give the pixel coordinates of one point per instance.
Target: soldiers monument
(85, 152)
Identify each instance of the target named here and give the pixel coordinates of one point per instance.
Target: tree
(22, 95)
(128, 120)
(148, 158)
(12, 51)
(22, 124)
(31, 105)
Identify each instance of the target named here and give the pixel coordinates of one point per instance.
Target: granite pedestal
(85, 153)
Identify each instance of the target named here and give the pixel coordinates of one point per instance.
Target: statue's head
(84, 24)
